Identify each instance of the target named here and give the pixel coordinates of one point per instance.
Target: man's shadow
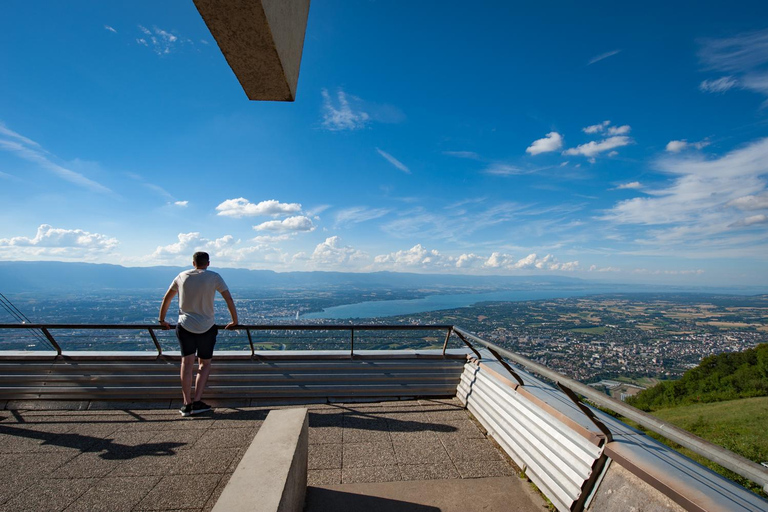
(111, 449)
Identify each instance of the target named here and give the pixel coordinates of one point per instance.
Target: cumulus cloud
(241, 207)
(593, 148)
(394, 161)
(602, 56)
(181, 204)
(619, 130)
(58, 243)
(342, 116)
(596, 128)
(296, 223)
(420, 258)
(719, 85)
(552, 142)
(224, 251)
(415, 257)
(31, 151)
(332, 253)
(676, 146)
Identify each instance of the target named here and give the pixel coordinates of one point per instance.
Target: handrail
(726, 458)
(46, 329)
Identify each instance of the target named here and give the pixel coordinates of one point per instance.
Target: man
(196, 329)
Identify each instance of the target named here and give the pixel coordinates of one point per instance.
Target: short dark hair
(201, 258)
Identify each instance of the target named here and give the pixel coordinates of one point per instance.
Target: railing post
(51, 340)
(352, 342)
(157, 343)
(250, 342)
(447, 336)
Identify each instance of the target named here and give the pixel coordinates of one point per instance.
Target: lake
(384, 308)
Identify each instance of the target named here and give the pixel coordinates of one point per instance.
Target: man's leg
(187, 369)
(202, 377)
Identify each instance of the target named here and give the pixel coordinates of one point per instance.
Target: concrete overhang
(262, 41)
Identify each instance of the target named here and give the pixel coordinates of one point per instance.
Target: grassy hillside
(738, 425)
(718, 378)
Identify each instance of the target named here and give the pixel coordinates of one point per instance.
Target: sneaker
(186, 410)
(200, 406)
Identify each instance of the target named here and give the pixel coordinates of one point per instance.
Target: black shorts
(191, 342)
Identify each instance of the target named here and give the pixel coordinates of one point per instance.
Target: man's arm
(231, 306)
(169, 295)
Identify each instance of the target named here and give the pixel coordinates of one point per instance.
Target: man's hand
(166, 325)
(230, 325)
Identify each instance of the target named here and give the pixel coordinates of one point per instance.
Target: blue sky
(602, 141)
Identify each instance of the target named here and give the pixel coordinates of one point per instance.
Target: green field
(738, 425)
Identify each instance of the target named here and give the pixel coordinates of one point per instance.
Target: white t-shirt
(197, 288)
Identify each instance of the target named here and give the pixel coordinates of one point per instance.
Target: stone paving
(150, 458)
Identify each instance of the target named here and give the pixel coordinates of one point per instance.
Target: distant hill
(53, 276)
(722, 377)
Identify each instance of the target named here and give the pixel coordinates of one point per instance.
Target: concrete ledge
(272, 475)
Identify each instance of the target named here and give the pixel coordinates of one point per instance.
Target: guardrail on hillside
(736, 463)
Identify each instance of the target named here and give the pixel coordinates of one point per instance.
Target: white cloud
(107, 27)
(594, 148)
(752, 220)
(420, 258)
(317, 210)
(631, 185)
(749, 203)
(696, 206)
(297, 223)
(719, 85)
(343, 116)
(394, 161)
(31, 151)
(271, 239)
(499, 169)
(602, 56)
(675, 146)
(619, 130)
(181, 204)
(744, 51)
(162, 42)
(552, 142)
(332, 253)
(58, 243)
(743, 56)
(596, 128)
(224, 251)
(358, 214)
(241, 207)
(415, 257)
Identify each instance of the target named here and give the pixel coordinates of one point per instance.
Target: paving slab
(487, 494)
(98, 457)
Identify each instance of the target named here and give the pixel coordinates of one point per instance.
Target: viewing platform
(462, 426)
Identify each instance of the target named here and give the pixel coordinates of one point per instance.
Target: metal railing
(736, 463)
(152, 330)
